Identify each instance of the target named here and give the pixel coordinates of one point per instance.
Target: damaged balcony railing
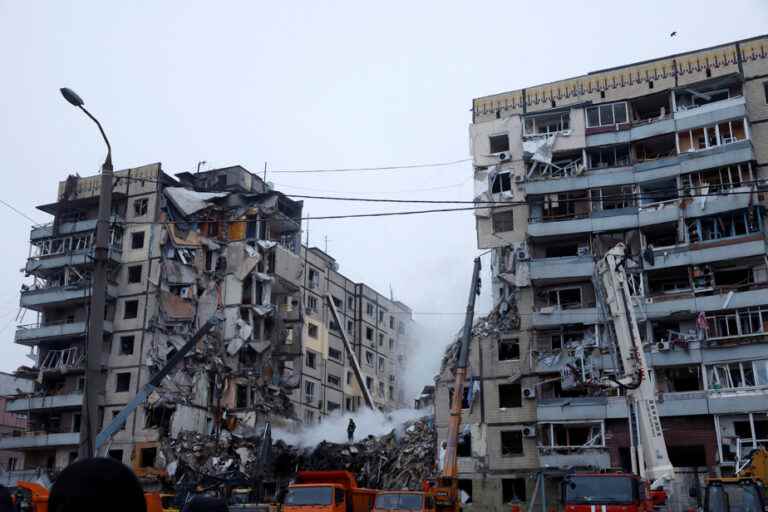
(740, 322)
(64, 359)
(71, 244)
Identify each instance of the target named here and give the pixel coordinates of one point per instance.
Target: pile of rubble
(398, 460)
(394, 461)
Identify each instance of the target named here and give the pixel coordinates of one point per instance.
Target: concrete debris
(189, 202)
(398, 460)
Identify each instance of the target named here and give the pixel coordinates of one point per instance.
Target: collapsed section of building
(184, 249)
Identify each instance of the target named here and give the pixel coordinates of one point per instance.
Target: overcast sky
(308, 85)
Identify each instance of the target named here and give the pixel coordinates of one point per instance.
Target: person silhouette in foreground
(97, 484)
(205, 504)
(6, 502)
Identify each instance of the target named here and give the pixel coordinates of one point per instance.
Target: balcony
(67, 228)
(708, 252)
(738, 401)
(711, 113)
(45, 402)
(584, 458)
(563, 267)
(548, 318)
(40, 440)
(70, 259)
(657, 308)
(33, 334)
(570, 409)
(39, 298)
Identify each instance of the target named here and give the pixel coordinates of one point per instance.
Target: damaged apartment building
(184, 249)
(670, 157)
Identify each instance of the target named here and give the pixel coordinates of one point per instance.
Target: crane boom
(653, 461)
(447, 491)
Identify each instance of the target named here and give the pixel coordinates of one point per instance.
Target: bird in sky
(673, 34)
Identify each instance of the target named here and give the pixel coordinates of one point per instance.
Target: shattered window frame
(508, 398)
(135, 273)
(140, 206)
(513, 490)
(603, 118)
(137, 240)
(313, 331)
(309, 391)
(369, 333)
(333, 380)
(508, 349)
(310, 359)
(503, 221)
(122, 382)
(335, 354)
(369, 309)
(498, 143)
(127, 345)
(130, 309)
(369, 358)
(509, 440)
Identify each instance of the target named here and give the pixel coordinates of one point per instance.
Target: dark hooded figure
(97, 484)
(6, 502)
(205, 504)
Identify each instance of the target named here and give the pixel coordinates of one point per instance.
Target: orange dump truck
(327, 491)
(39, 497)
(411, 501)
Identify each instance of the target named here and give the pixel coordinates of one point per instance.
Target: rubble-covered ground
(398, 460)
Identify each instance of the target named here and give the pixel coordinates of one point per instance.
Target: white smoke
(333, 429)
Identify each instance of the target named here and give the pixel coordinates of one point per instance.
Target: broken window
(312, 330)
(350, 303)
(312, 304)
(381, 340)
(513, 490)
(381, 364)
(464, 398)
(564, 298)
(130, 309)
(314, 279)
(606, 115)
(76, 421)
(716, 180)
(501, 182)
(741, 322)
(510, 396)
(381, 316)
(503, 221)
(337, 302)
(612, 198)
(706, 137)
(134, 274)
(509, 350)
(464, 445)
(241, 396)
(738, 374)
(368, 309)
(658, 192)
(655, 148)
(349, 378)
(122, 382)
(309, 417)
(369, 383)
(499, 143)
(126, 345)
(565, 205)
(140, 207)
(309, 391)
(311, 359)
(350, 326)
(391, 344)
(678, 379)
(661, 235)
(158, 417)
(511, 442)
(608, 156)
(369, 333)
(137, 240)
(369, 360)
(544, 124)
(391, 394)
(147, 457)
(391, 322)
(572, 435)
(668, 280)
(334, 380)
(334, 354)
(381, 390)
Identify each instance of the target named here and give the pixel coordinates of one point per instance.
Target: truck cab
(612, 492)
(327, 491)
(387, 501)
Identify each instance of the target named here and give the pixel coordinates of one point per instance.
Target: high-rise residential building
(215, 243)
(670, 157)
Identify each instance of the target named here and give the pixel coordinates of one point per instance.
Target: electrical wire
(382, 168)
(10, 206)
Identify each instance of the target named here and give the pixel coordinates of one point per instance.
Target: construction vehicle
(416, 501)
(446, 487)
(652, 469)
(747, 491)
(327, 491)
(39, 495)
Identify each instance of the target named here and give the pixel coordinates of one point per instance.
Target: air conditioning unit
(503, 156)
(663, 346)
(529, 393)
(529, 432)
(522, 254)
(519, 178)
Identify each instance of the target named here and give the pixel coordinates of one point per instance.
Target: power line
(383, 168)
(30, 219)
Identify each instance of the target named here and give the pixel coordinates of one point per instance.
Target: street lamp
(93, 378)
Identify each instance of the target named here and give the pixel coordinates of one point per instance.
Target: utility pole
(94, 383)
